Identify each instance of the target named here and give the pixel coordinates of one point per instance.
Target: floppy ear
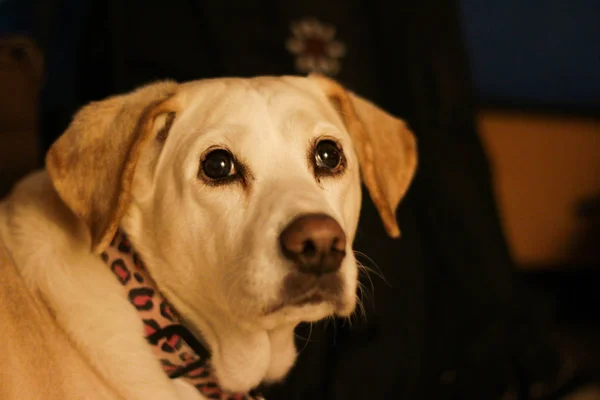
(93, 163)
(386, 148)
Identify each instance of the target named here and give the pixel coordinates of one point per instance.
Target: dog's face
(242, 194)
(244, 162)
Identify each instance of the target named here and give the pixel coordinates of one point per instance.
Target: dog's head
(243, 195)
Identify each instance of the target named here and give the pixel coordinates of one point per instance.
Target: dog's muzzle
(315, 245)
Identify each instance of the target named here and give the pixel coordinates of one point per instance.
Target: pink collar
(181, 355)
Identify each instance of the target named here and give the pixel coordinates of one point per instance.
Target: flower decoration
(314, 46)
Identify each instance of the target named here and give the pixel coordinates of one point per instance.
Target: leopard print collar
(180, 354)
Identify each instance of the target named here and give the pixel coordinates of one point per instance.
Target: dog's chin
(310, 307)
(307, 298)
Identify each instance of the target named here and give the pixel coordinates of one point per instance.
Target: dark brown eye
(218, 164)
(328, 156)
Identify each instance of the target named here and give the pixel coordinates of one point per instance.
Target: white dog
(180, 232)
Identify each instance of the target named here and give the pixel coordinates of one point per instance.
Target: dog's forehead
(281, 102)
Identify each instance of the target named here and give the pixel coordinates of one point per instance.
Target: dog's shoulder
(38, 360)
(24, 325)
(35, 225)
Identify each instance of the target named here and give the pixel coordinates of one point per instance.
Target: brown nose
(315, 243)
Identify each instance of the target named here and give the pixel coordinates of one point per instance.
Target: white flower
(314, 46)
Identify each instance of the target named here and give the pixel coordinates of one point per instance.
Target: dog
(179, 233)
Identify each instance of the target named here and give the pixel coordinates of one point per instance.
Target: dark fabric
(451, 320)
(15, 17)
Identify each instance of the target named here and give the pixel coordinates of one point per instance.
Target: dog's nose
(315, 243)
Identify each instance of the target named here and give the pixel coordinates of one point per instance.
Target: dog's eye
(328, 156)
(218, 164)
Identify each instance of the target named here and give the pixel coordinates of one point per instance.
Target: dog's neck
(181, 355)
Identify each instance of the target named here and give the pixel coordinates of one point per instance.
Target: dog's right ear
(93, 163)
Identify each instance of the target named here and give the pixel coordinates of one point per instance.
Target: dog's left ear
(386, 148)
(93, 163)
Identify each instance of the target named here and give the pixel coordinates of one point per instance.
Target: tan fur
(28, 324)
(69, 331)
(92, 163)
(35, 351)
(39, 359)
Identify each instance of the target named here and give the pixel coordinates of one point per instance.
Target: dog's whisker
(360, 310)
(307, 340)
(374, 269)
(365, 293)
(359, 314)
(362, 270)
(334, 329)
(363, 312)
(300, 337)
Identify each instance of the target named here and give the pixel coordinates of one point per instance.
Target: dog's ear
(386, 148)
(93, 163)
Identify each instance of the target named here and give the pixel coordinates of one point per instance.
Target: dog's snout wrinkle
(315, 243)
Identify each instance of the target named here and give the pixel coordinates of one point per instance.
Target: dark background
(535, 54)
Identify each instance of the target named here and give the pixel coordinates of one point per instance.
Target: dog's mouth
(314, 298)
(301, 290)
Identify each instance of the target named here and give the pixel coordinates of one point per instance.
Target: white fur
(212, 250)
